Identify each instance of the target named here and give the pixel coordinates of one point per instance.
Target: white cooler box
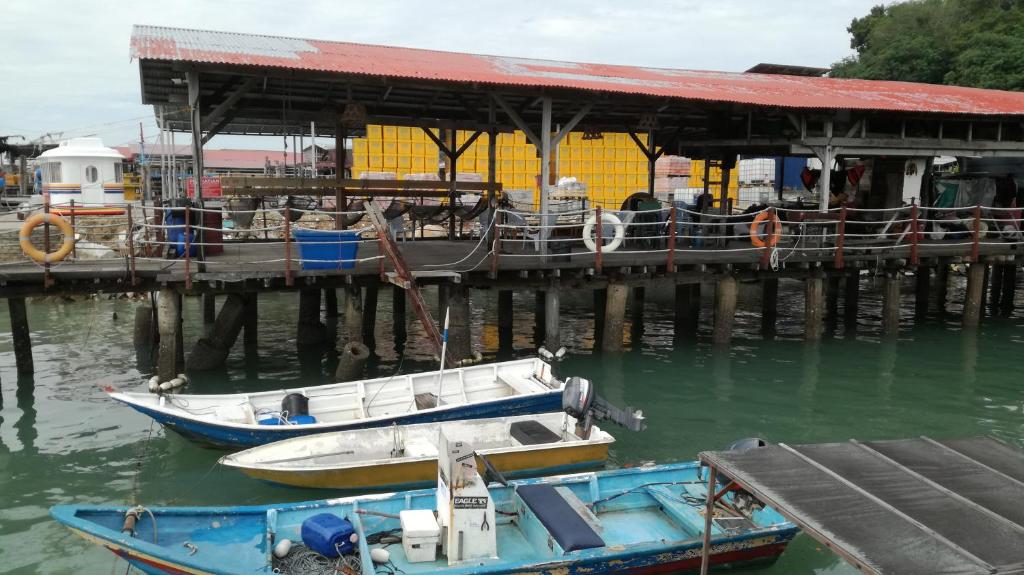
(420, 535)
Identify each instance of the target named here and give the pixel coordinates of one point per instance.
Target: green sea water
(63, 441)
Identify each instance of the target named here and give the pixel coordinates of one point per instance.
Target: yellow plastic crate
(404, 163)
(390, 161)
(389, 148)
(373, 132)
(390, 132)
(404, 133)
(520, 138)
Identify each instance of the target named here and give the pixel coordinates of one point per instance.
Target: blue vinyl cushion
(562, 521)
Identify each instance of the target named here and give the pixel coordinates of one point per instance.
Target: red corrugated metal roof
(157, 43)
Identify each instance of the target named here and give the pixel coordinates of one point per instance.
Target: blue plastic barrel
(327, 249)
(328, 535)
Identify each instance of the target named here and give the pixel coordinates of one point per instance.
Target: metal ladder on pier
(403, 278)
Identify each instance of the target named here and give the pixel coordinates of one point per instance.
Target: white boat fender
(154, 384)
(166, 386)
(184, 378)
(282, 548)
(176, 382)
(378, 555)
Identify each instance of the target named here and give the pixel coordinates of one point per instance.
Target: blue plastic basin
(327, 249)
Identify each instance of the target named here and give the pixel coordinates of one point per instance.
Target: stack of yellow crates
(611, 167)
(697, 169)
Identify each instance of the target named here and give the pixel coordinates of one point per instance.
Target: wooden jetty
(232, 90)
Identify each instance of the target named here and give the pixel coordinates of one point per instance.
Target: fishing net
(302, 560)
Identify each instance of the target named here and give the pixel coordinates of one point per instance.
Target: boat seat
(532, 432)
(564, 524)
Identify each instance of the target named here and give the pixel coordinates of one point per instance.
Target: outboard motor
(742, 500)
(580, 401)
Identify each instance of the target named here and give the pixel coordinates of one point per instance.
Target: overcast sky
(64, 65)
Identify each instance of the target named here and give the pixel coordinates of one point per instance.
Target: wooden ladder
(403, 277)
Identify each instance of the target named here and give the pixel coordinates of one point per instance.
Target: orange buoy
(25, 238)
(773, 236)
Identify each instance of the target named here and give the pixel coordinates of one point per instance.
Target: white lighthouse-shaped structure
(86, 171)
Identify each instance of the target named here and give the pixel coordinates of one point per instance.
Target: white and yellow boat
(402, 457)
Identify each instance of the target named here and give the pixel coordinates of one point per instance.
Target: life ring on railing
(25, 238)
(606, 219)
(773, 236)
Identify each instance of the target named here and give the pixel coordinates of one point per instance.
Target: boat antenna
(444, 351)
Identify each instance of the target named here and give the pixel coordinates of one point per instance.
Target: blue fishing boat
(235, 421)
(638, 520)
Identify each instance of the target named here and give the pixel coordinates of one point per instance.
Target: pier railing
(191, 241)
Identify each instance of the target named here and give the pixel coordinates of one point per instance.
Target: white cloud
(68, 60)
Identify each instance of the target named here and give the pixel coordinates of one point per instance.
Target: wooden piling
(168, 319)
(144, 338)
(552, 332)
(505, 321)
(1009, 288)
(370, 296)
(354, 314)
(814, 300)
(600, 303)
(442, 304)
(614, 317)
(540, 318)
(922, 289)
(832, 302)
(769, 305)
(310, 330)
(891, 303)
(726, 292)
(250, 329)
(330, 303)
(209, 302)
(459, 341)
(687, 310)
(398, 316)
(637, 314)
(22, 336)
(995, 291)
(941, 286)
(212, 351)
(974, 295)
(851, 300)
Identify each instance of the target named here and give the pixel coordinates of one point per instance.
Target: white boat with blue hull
(241, 420)
(639, 521)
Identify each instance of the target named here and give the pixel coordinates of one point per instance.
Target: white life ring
(607, 219)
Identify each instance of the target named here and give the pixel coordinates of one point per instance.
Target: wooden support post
(310, 330)
(540, 317)
(914, 259)
(1009, 288)
(131, 242)
(600, 303)
(941, 286)
(976, 235)
(769, 305)
(188, 248)
(552, 334)
(459, 340)
(851, 300)
(505, 320)
(974, 295)
(614, 317)
(838, 262)
(814, 300)
(726, 292)
(598, 241)
(637, 313)
(995, 288)
(370, 315)
(687, 310)
(354, 314)
(453, 160)
(398, 316)
(209, 312)
(922, 287)
(340, 157)
(670, 263)
(288, 279)
(212, 351)
(168, 318)
(891, 303)
(330, 303)
(832, 302)
(250, 336)
(22, 336)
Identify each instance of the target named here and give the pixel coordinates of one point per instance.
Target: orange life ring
(25, 238)
(773, 236)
